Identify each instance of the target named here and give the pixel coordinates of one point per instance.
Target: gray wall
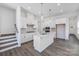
(7, 20)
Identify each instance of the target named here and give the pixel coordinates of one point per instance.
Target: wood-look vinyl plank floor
(58, 48)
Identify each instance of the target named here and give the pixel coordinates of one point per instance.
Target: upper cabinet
(61, 20)
(48, 22)
(27, 18)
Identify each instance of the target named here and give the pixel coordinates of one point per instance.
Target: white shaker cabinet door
(61, 31)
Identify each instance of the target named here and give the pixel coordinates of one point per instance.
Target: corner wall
(73, 25)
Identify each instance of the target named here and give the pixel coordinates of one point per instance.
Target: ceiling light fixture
(42, 11)
(61, 10)
(29, 8)
(42, 17)
(50, 11)
(39, 12)
(58, 4)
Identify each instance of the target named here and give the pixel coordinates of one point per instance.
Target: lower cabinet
(41, 42)
(26, 37)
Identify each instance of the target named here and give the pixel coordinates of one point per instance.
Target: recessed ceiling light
(42, 17)
(61, 10)
(29, 8)
(58, 4)
(39, 12)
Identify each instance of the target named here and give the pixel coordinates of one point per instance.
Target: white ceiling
(56, 9)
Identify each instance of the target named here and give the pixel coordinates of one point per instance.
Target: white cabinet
(41, 42)
(49, 23)
(23, 22)
(26, 37)
(61, 21)
(28, 20)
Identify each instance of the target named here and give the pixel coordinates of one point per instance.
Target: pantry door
(60, 31)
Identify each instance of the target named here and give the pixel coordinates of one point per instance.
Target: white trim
(8, 48)
(18, 17)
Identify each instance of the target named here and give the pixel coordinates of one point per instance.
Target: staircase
(8, 42)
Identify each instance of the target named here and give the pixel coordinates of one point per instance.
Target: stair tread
(8, 42)
(3, 45)
(9, 34)
(8, 48)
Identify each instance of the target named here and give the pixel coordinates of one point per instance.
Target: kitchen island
(42, 41)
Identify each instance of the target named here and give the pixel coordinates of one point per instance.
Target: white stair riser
(11, 43)
(3, 45)
(7, 37)
(7, 40)
(8, 48)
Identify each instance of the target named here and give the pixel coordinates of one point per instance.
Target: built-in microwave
(47, 29)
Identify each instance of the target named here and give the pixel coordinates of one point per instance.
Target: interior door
(60, 31)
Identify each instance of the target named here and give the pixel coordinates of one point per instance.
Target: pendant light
(42, 11)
